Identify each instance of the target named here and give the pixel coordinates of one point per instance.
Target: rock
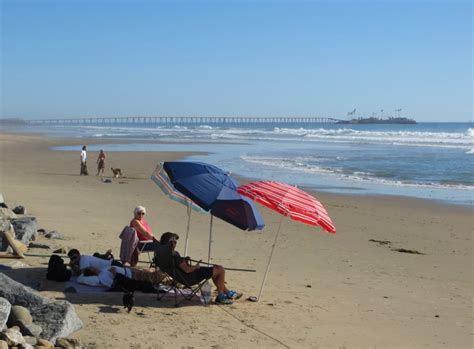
(3, 344)
(6, 213)
(25, 229)
(30, 329)
(19, 294)
(13, 337)
(37, 245)
(53, 235)
(68, 343)
(19, 210)
(61, 250)
(26, 346)
(44, 343)
(5, 307)
(19, 313)
(30, 340)
(58, 319)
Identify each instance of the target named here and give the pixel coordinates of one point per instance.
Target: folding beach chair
(179, 282)
(146, 247)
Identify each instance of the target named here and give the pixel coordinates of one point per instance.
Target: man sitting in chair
(195, 273)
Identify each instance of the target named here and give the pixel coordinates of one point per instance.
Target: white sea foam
(296, 165)
(471, 151)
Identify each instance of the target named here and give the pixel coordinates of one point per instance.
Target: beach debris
(106, 181)
(436, 315)
(381, 242)
(13, 248)
(19, 210)
(32, 314)
(53, 235)
(309, 286)
(25, 229)
(403, 250)
(38, 245)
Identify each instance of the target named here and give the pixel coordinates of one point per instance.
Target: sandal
(223, 299)
(233, 295)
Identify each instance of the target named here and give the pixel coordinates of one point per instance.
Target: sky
(72, 58)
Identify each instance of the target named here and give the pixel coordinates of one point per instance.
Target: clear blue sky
(62, 59)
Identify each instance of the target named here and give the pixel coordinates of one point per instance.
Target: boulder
(19, 314)
(18, 294)
(25, 229)
(30, 329)
(3, 344)
(19, 210)
(5, 308)
(58, 319)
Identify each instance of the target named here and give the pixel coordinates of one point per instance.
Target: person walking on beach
(84, 161)
(101, 163)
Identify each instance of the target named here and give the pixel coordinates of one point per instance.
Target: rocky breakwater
(28, 319)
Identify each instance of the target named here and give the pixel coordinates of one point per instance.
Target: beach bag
(57, 270)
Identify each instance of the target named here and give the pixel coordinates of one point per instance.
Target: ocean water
(427, 160)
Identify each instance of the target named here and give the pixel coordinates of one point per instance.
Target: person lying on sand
(107, 277)
(80, 262)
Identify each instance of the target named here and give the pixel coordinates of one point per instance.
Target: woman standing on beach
(84, 161)
(101, 163)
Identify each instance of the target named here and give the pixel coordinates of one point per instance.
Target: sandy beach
(323, 290)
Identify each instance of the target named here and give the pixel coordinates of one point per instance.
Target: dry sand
(323, 290)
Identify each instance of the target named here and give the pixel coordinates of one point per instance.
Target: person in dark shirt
(195, 273)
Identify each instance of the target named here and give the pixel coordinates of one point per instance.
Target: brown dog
(117, 172)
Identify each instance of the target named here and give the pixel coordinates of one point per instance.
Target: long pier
(181, 121)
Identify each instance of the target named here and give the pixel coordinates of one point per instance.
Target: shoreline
(346, 289)
(62, 142)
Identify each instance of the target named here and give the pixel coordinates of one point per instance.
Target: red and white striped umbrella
(289, 201)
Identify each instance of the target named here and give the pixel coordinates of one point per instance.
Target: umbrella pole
(210, 242)
(187, 230)
(269, 260)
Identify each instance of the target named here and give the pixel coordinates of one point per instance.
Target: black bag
(57, 270)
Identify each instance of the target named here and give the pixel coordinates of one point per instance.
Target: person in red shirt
(144, 232)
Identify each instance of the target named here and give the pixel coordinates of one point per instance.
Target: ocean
(426, 160)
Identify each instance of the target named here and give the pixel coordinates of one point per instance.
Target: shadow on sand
(107, 302)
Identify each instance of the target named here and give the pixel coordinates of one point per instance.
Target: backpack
(57, 270)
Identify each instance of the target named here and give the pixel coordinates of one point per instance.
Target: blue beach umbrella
(215, 191)
(161, 179)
